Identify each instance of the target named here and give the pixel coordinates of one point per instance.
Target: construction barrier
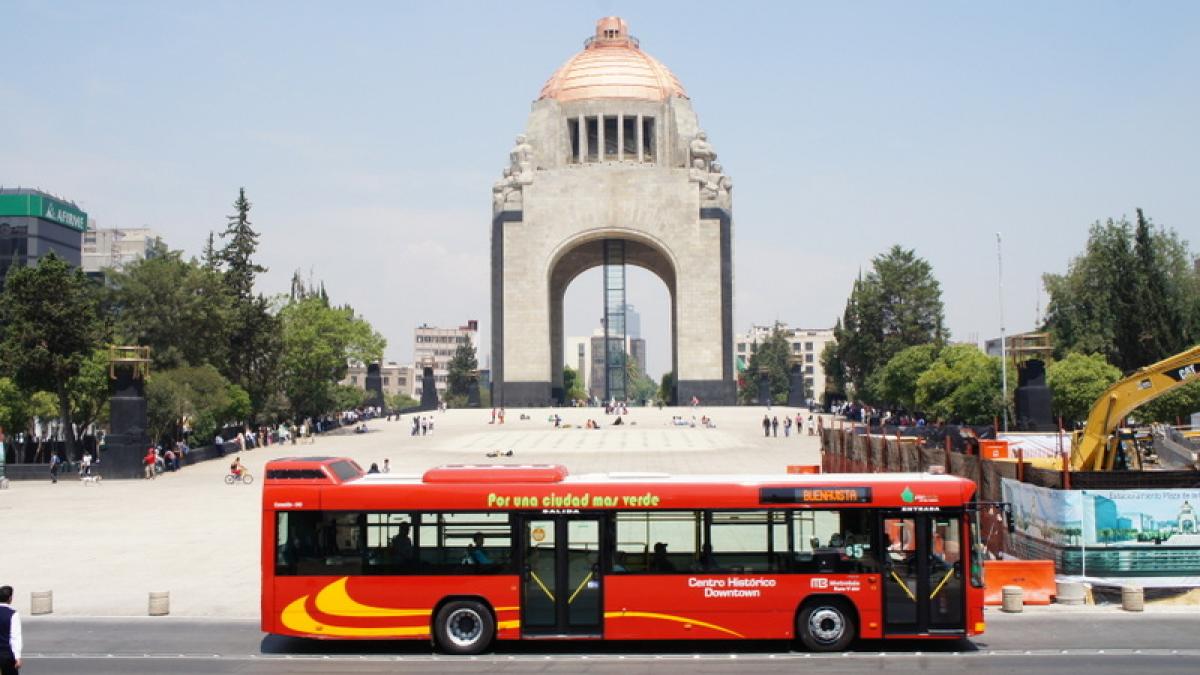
(1035, 577)
(803, 468)
(993, 449)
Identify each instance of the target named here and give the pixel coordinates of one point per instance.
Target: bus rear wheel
(826, 625)
(464, 627)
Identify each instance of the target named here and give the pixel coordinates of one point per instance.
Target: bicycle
(245, 478)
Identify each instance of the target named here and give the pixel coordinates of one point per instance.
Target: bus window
(657, 541)
(466, 543)
(833, 541)
(319, 542)
(738, 541)
(390, 548)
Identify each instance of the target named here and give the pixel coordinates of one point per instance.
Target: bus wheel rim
(464, 627)
(826, 625)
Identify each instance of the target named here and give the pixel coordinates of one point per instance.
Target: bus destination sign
(824, 494)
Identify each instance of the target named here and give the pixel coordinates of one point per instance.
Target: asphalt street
(1098, 642)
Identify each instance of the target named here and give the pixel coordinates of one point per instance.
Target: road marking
(890, 656)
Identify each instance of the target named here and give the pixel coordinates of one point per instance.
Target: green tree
(400, 401)
(1130, 296)
(348, 397)
(237, 256)
(210, 258)
(666, 388)
(200, 394)
(897, 305)
(166, 405)
(834, 367)
(89, 390)
(180, 309)
(962, 385)
(319, 341)
(461, 371)
(896, 382)
(772, 356)
(573, 385)
(638, 385)
(254, 331)
(19, 410)
(1172, 408)
(239, 407)
(50, 327)
(1076, 382)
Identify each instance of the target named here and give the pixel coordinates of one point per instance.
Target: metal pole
(1003, 345)
(1082, 538)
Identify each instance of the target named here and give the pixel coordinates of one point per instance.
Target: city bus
(465, 555)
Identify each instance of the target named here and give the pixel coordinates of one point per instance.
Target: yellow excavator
(1095, 448)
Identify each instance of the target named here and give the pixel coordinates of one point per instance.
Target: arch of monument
(612, 159)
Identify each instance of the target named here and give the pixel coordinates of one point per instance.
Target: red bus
(465, 555)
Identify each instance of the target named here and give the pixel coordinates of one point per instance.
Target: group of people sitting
(705, 422)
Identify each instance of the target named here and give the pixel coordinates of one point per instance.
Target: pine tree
(1130, 296)
(210, 257)
(461, 369)
(241, 243)
(897, 305)
(1158, 324)
(254, 337)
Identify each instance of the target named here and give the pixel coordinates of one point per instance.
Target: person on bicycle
(236, 469)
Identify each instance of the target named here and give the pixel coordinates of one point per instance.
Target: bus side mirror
(1008, 518)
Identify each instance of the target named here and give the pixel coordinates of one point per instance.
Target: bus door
(923, 574)
(561, 580)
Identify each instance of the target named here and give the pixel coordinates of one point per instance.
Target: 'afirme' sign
(39, 206)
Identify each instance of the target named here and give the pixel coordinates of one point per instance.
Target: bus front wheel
(464, 627)
(826, 625)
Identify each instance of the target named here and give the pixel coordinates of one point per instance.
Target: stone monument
(429, 394)
(612, 153)
(126, 443)
(374, 386)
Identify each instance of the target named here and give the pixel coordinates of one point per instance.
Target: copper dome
(612, 65)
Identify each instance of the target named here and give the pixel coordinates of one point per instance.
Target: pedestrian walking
(775, 426)
(10, 634)
(55, 466)
(766, 424)
(787, 426)
(812, 427)
(799, 424)
(387, 467)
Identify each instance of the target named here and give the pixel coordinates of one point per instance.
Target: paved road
(1052, 642)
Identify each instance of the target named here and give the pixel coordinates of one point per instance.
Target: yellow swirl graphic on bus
(334, 600)
(670, 617)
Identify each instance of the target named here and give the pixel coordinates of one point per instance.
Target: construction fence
(847, 448)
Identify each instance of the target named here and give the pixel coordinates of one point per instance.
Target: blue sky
(368, 136)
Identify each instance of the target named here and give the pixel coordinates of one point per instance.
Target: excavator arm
(1093, 450)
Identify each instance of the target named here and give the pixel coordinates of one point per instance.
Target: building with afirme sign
(34, 223)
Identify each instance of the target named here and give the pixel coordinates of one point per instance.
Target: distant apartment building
(117, 247)
(586, 356)
(1022, 346)
(34, 223)
(396, 378)
(438, 345)
(805, 344)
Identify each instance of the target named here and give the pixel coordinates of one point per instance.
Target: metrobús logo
(838, 585)
(731, 587)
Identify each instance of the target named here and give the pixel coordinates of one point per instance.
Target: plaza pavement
(102, 548)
